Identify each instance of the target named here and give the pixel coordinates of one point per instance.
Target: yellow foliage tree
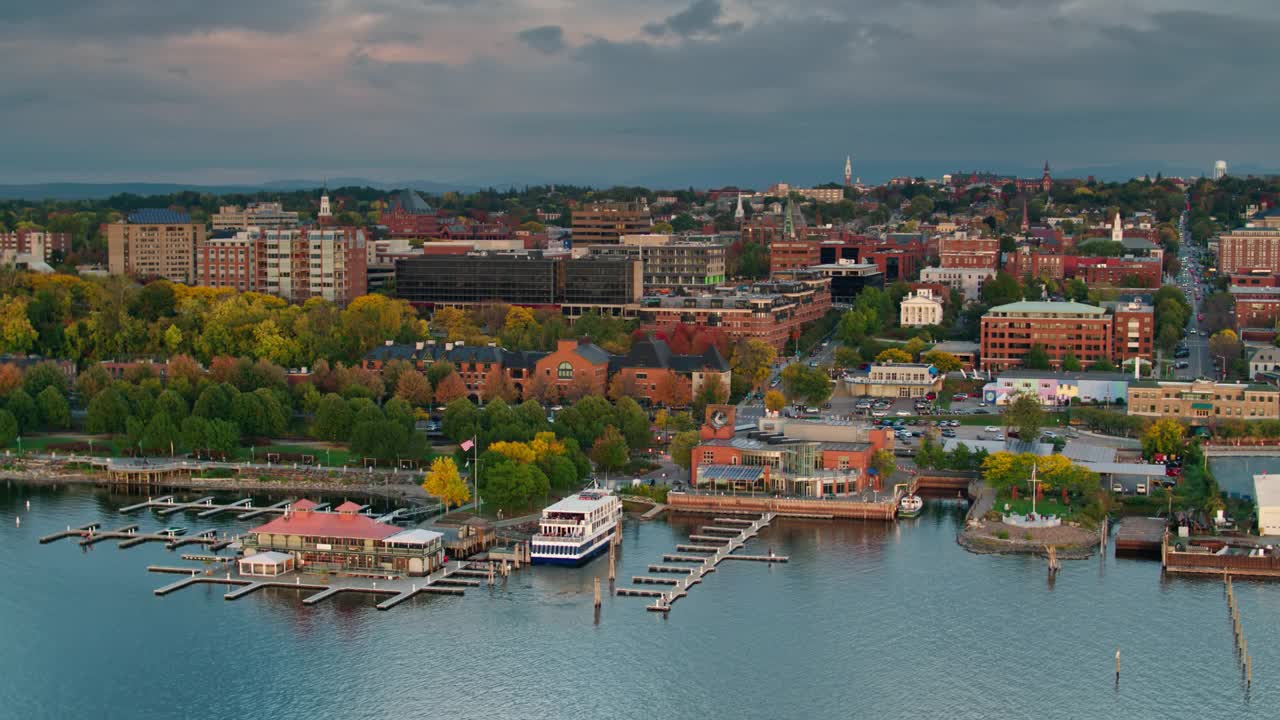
(545, 444)
(515, 451)
(444, 482)
(894, 355)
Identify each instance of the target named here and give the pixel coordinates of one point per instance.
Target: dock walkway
(695, 567)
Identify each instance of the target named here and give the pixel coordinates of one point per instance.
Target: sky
(662, 92)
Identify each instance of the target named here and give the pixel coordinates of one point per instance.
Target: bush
(1002, 534)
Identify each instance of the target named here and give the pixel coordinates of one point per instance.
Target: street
(1199, 364)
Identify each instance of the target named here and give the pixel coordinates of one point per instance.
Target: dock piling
(1117, 666)
(597, 583)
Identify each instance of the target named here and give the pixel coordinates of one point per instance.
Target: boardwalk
(128, 535)
(728, 534)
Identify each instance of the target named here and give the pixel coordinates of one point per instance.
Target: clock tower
(719, 422)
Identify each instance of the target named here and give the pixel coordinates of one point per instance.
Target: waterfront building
(154, 243)
(267, 564)
(1057, 388)
(1200, 402)
(1266, 495)
(259, 215)
(606, 222)
(803, 458)
(920, 308)
(895, 380)
(346, 541)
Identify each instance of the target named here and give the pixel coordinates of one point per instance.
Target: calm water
(866, 621)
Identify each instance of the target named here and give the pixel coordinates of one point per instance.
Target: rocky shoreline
(1070, 543)
(403, 492)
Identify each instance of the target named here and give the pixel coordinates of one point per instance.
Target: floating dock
(1140, 536)
(695, 567)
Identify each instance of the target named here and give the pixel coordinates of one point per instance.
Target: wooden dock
(128, 535)
(1140, 536)
(70, 532)
(400, 589)
(695, 567)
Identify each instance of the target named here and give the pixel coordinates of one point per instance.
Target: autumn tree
(682, 446)
(450, 388)
(1164, 436)
(945, 362)
(444, 482)
(1026, 415)
(413, 388)
(774, 401)
(753, 359)
(610, 450)
(893, 355)
(497, 385)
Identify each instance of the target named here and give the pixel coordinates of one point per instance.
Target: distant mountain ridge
(98, 191)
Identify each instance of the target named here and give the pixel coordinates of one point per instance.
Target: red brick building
(1134, 330)
(1119, 272)
(1249, 249)
(968, 252)
(772, 311)
(40, 245)
(230, 259)
(1039, 264)
(408, 215)
(1010, 331)
(791, 254)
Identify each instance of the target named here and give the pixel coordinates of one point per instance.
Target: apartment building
(1200, 402)
(154, 243)
(773, 312)
(230, 259)
(962, 251)
(671, 264)
(607, 222)
(29, 245)
(292, 264)
(1249, 249)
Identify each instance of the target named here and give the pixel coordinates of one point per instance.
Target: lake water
(866, 621)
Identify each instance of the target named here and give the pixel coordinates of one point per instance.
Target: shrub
(1002, 534)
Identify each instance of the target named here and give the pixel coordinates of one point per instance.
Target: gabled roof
(592, 353)
(411, 203)
(348, 507)
(304, 504)
(343, 524)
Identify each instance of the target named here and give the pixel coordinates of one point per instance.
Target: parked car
(948, 433)
(878, 413)
(1117, 488)
(991, 429)
(1050, 434)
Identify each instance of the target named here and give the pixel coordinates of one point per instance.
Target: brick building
(1201, 402)
(791, 254)
(230, 259)
(1126, 272)
(606, 222)
(962, 251)
(1249, 249)
(408, 215)
(772, 311)
(651, 371)
(154, 243)
(1133, 326)
(294, 264)
(1010, 331)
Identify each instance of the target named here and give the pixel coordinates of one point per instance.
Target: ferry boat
(576, 529)
(910, 506)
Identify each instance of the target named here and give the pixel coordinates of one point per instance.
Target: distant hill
(97, 191)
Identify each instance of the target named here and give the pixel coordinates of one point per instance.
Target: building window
(565, 371)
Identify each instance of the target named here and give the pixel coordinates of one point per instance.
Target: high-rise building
(38, 245)
(154, 243)
(1087, 332)
(606, 222)
(231, 259)
(293, 264)
(1249, 249)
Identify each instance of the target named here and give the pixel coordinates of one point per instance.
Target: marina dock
(399, 589)
(732, 532)
(128, 535)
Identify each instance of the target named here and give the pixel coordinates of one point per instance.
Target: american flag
(468, 444)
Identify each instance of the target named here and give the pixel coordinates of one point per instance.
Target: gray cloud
(547, 39)
(697, 19)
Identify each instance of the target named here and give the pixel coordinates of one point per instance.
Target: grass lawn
(41, 443)
(335, 456)
(1045, 506)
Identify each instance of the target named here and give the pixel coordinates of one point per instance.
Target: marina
(860, 571)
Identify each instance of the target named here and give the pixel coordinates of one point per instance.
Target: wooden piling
(612, 569)
(1117, 666)
(1248, 670)
(597, 593)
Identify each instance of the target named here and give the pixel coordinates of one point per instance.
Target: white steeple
(739, 214)
(1117, 230)
(325, 210)
(848, 171)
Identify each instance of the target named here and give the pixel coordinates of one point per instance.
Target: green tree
(610, 451)
(55, 411)
(1025, 415)
(512, 486)
(885, 465)
(1037, 358)
(332, 420)
(171, 404)
(24, 410)
(161, 435)
(44, 375)
(1001, 290)
(107, 412)
(8, 428)
(1102, 364)
(461, 421)
(945, 362)
(809, 385)
(1071, 363)
(682, 446)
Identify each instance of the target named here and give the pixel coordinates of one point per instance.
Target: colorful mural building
(1058, 388)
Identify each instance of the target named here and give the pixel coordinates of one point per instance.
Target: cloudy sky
(663, 91)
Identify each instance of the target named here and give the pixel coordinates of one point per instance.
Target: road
(1199, 363)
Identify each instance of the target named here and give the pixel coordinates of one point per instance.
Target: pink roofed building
(346, 541)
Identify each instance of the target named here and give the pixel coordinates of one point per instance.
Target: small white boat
(910, 506)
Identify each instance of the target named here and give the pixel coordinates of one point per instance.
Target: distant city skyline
(671, 93)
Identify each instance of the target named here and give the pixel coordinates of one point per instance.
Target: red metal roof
(348, 507)
(325, 524)
(304, 504)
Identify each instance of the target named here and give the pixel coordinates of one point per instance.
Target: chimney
(418, 345)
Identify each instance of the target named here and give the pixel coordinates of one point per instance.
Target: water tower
(1219, 169)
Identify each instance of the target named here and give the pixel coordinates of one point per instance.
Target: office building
(968, 281)
(1200, 402)
(1010, 331)
(671, 264)
(259, 215)
(607, 222)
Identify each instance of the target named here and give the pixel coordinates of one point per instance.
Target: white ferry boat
(576, 529)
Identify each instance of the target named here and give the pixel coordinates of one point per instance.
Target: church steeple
(848, 171)
(1117, 230)
(1046, 182)
(739, 214)
(1026, 219)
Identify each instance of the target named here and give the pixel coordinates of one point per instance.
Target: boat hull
(574, 560)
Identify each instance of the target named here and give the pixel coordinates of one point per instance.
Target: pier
(733, 532)
(128, 535)
(399, 589)
(1140, 536)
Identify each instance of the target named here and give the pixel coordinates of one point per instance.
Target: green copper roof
(1029, 306)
